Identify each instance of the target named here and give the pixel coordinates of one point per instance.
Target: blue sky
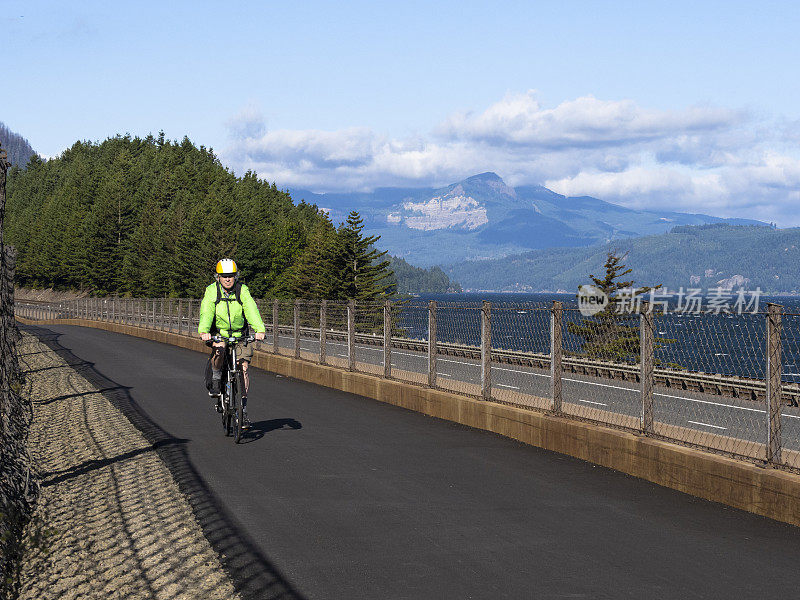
(686, 105)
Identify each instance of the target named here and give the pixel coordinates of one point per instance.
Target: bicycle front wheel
(227, 414)
(237, 392)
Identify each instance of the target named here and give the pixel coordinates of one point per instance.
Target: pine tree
(314, 275)
(364, 275)
(612, 334)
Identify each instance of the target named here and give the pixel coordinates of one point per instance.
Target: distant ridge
(482, 217)
(17, 147)
(700, 256)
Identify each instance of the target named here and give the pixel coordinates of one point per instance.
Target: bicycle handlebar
(233, 340)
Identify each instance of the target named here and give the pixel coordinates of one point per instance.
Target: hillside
(704, 257)
(17, 147)
(149, 217)
(482, 217)
(416, 280)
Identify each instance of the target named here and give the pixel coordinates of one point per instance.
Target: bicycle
(232, 387)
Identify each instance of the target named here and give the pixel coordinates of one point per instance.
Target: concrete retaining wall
(762, 490)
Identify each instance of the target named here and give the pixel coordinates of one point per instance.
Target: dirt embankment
(115, 522)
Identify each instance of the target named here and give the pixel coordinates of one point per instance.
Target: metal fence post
(773, 377)
(387, 338)
(297, 328)
(351, 335)
(486, 350)
(556, 350)
(275, 307)
(432, 343)
(646, 361)
(323, 334)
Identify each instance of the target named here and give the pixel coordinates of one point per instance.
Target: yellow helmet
(227, 267)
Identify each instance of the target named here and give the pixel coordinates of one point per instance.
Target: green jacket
(222, 324)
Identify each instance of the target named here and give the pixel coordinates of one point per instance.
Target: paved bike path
(351, 498)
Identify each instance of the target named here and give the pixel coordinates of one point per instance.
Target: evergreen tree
(613, 334)
(364, 275)
(314, 275)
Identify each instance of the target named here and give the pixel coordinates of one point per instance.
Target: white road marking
(592, 402)
(511, 387)
(706, 424)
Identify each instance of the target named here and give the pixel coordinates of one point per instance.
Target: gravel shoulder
(118, 525)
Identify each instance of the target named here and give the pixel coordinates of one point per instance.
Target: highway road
(339, 496)
(739, 419)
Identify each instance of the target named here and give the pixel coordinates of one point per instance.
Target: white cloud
(248, 123)
(586, 122)
(698, 159)
(768, 188)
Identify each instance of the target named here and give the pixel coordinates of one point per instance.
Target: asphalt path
(347, 497)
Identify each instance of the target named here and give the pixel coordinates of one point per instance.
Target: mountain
(482, 217)
(17, 147)
(704, 256)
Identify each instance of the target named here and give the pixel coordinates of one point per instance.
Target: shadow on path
(251, 573)
(260, 428)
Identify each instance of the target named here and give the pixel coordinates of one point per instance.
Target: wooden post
(486, 350)
(275, 307)
(387, 338)
(297, 328)
(432, 343)
(556, 351)
(646, 361)
(774, 387)
(351, 335)
(323, 334)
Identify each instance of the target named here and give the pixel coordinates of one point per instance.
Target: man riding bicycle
(228, 309)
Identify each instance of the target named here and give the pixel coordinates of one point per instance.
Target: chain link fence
(704, 380)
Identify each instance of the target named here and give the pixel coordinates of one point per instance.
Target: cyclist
(228, 309)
